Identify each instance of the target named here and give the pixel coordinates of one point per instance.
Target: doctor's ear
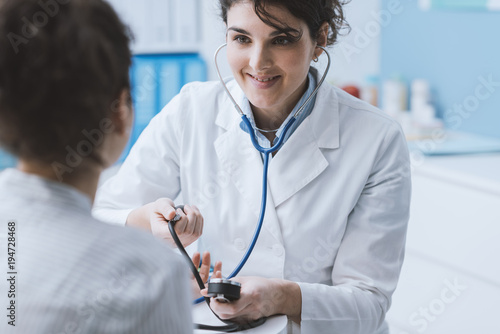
(122, 113)
(321, 40)
(323, 34)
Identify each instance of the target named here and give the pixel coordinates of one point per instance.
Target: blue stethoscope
(231, 327)
(265, 151)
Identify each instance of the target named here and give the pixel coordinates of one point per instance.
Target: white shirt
(79, 275)
(337, 206)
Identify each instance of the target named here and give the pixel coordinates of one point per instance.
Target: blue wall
(456, 51)
(155, 80)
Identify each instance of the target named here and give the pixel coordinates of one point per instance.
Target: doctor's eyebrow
(286, 31)
(239, 30)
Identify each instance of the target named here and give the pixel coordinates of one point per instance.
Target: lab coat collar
(228, 116)
(324, 118)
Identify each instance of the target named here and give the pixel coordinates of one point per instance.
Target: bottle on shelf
(369, 91)
(422, 110)
(394, 96)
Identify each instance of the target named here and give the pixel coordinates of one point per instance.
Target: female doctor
(332, 243)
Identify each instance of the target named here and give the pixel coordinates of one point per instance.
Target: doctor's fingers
(217, 273)
(241, 310)
(195, 221)
(204, 268)
(194, 213)
(217, 270)
(165, 207)
(196, 259)
(180, 225)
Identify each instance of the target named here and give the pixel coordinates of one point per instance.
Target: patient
(65, 112)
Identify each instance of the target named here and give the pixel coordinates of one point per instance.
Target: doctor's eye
(282, 40)
(241, 39)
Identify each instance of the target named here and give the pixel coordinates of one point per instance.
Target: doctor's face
(270, 67)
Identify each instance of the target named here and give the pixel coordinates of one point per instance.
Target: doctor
(331, 249)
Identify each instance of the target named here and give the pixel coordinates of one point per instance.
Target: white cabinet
(162, 26)
(450, 282)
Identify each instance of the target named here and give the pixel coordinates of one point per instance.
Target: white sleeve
(151, 170)
(369, 260)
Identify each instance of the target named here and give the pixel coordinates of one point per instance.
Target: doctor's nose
(260, 58)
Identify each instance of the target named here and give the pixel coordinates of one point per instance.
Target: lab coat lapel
(236, 153)
(244, 165)
(301, 159)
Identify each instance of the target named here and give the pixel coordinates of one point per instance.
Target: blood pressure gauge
(223, 290)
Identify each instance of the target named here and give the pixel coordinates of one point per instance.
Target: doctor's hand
(154, 216)
(204, 271)
(261, 297)
(188, 228)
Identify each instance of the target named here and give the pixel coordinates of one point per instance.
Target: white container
(421, 108)
(369, 91)
(394, 97)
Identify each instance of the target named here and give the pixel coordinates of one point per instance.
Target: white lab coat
(337, 208)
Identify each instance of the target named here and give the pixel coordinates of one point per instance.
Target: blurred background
(434, 65)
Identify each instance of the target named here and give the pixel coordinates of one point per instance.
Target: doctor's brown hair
(63, 63)
(313, 12)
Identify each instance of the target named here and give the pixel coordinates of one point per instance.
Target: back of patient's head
(63, 65)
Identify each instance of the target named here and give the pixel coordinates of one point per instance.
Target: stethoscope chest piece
(223, 290)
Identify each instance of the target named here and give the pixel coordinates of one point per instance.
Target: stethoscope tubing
(265, 151)
(229, 326)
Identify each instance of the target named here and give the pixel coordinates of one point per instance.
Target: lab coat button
(278, 250)
(240, 244)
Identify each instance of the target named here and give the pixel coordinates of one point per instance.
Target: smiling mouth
(263, 79)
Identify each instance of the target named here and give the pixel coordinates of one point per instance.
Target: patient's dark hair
(313, 12)
(63, 63)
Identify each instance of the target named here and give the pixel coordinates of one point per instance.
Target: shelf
(477, 171)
